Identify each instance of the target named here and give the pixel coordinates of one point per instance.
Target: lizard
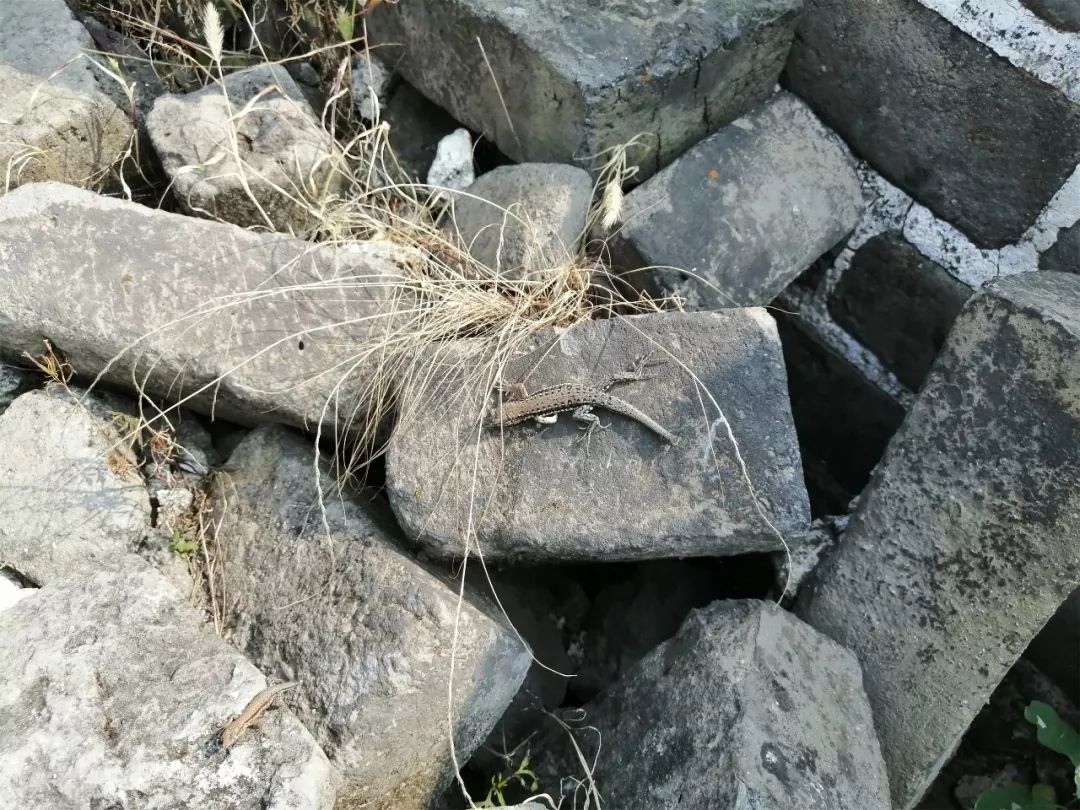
(545, 405)
(231, 733)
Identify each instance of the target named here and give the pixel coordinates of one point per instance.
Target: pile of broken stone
(881, 317)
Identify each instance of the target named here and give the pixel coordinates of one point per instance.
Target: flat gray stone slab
(174, 303)
(72, 498)
(578, 76)
(746, 707)
(369, 632)
(251, 153)
(873, 72)
(968, 537)
(526, 220)
(541, 494)
(739, 216)
(113, 696)
(1063, 14)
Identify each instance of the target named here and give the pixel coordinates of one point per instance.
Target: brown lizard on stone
(231, 733)
(545, 405)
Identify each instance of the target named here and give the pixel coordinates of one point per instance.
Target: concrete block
(966, 540)
(557, 81)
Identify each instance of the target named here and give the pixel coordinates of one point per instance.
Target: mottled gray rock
(253, 155)
(369, 632)
(745, 211)
(49, 131)
(965, 542)
(746, 707)
(72, 497)
(110, 281)
(1064, 255)
(453, 164)
(542, 494)
(528, 218)
(1063, 14)
(558, 81)
(899, 304)
(873, 72)
(113, 696)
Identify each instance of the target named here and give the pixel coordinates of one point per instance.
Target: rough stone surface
(746, 707)
(73, 499)
(899, 304)
(528, 218)
(985, 150)
(43, 38)
(368, 632)
(542, 494)
(246, 161)
(49, 131)
(145, 289)
(1064, 255)
(559, 81)
(965, 542)
(453, 164)
(1063, 14)
(777, 190)
(844, 421)
(112, 696)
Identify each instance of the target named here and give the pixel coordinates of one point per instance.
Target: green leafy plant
(1057, 735)
(523, 776)
(183, 545)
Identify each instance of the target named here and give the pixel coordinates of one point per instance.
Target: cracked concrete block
(985, 150)
(777, 189)
(552, 81)
(966, 540)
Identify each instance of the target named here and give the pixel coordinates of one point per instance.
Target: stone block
(985, 150)
(626, 493)
(966, 540)
(745, 707)
(324, 597)
(739, 216)
(557, 81)
(240, 322)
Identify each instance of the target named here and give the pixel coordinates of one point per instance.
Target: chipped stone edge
(1018, 34)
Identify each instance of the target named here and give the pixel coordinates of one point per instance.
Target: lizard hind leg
(590, 423)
